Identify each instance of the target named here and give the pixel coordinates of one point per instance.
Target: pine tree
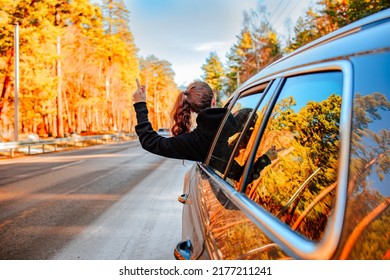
(214, 75)
(257, 46)
(330, 16)
(158, 77)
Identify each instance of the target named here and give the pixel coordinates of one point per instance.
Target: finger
(138, 84)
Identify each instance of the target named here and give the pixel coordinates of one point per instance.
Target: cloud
(185, 32)
(186, 73)
(211, 46)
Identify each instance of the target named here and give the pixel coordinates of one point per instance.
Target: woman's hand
(272, 153)
(140, 94)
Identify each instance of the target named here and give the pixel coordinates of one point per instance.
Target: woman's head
(197, 97)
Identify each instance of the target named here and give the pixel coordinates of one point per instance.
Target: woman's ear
(213, 102)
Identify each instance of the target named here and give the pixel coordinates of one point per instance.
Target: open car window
(236, 132)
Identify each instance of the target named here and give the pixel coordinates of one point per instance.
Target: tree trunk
(6, 82)
(69, 114)
(60, 118)
(79, 118)
(358, 230)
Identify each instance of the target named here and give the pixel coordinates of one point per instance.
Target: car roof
(362, 36)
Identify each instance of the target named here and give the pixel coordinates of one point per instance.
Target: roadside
(34, 145)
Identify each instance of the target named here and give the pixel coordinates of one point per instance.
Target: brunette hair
(196, 98)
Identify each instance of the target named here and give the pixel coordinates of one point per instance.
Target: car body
(164, 132)
(304, 173)
(75, 137)
(31, 137)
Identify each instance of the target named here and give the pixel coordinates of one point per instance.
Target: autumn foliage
(78, 64)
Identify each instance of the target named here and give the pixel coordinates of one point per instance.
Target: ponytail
(196, 98)
(181, 115)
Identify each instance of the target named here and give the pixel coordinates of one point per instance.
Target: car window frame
(266, 87)
(290, 241)
(256, 89)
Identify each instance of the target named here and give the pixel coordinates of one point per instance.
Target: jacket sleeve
(257, 167)
(185, 146)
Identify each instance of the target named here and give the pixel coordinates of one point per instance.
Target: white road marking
(66, 165)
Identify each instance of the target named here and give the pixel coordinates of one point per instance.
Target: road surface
(106, 202)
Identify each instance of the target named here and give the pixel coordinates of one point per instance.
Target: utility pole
(60, 119)
(16, 97)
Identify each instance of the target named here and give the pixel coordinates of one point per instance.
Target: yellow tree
(256, 47)
(213, 74)
(120, 64)
(37, 57)
(6, 58)
(158, 77)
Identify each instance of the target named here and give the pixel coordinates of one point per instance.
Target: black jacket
(189, 146)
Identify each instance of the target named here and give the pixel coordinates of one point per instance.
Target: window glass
(246, 141)
(294, 173)
(369, 184)
(232, 129)
(244, 111)
(231, 234)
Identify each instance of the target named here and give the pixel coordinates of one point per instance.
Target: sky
(185, 32)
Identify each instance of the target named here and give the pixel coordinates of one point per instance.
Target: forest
(78, 63)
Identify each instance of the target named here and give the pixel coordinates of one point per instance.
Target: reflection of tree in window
(236, 236)
(368, 207)
(307, 164)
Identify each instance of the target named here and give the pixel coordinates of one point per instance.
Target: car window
(294, 171)
(233, 127)
(247, 141)
(369, 189)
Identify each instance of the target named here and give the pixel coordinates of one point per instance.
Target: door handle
(183, 198)
(183, 250)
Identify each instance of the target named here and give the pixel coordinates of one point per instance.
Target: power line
(277, 8)
(280, 18)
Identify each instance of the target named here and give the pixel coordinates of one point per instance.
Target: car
(164, 132)
(75, 137)
(299, 168)
(31, 137)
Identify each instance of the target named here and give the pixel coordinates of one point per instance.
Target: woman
(186, 143)
(194, 145)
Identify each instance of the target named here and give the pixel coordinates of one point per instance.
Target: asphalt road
(107, 202)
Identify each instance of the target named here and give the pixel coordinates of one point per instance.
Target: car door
(197, 217)
(295, 192)
(246, 113)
